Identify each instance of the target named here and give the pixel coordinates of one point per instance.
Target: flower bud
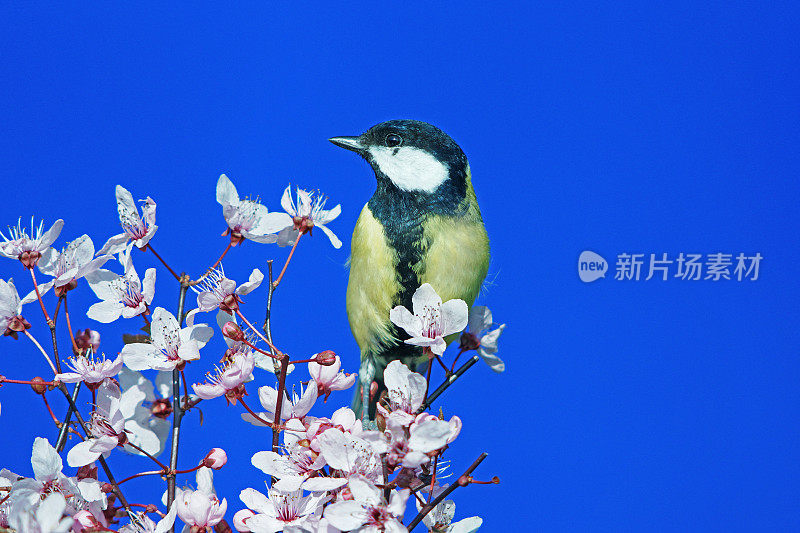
(233, 332)
(161, 408)
(215, 459)
(106, 487)
(37, 384)
(326, 358)
(469, 341)
(87, 472)
(85, 339)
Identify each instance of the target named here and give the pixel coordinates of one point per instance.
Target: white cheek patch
(411, 169)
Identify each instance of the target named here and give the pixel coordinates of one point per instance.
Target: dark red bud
(106, 487)
(37, 384)
(161, 408)
(85, 339)
(373, 390)
(469, 341)
(230, 304)
(326, 358)
(215, 459)
(87, 472)
(233, 332)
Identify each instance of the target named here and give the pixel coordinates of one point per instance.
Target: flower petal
(226, 191)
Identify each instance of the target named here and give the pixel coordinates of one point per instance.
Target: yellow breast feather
(457, 256)
(373, 285)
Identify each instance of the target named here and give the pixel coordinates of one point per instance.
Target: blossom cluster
(327, 474)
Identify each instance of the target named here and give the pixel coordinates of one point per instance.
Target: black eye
(393, 140)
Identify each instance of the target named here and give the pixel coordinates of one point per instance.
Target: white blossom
(218, 292)
(75, 261)
(106, 428)
(296, 407)
(366, 512)
(29, 247)
(139, 229)
(246, 218)
(431, 320)
(279, 511)
(142, 427)
(481, 338)
(122, 296)
(91, 369)
(170, 345)
(440, 518)
(305, 214)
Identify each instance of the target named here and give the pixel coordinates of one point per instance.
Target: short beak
(348, 143)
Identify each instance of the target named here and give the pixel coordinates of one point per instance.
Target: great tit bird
(422, 225)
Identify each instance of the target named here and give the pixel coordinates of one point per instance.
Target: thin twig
(177, 409)
(428, 376)
(279, 403)
(449, 381)
(156, 461)
(52, 325)
(150, 247)
(140, 474)
(4, 379)
(286, 264)
(260, 335)
(212, 267)
(47, 357)
(427, 508)
(267, 321)
(69, 327)
(39, 296)
(255, 415)
(49, 410)
(62, 434)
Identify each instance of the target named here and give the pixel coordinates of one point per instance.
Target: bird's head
(411, 156)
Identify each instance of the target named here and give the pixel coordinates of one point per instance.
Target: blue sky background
(626, 406)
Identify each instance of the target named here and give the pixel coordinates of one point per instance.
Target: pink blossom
(367, 512)
(329, 379)
(218, 292)
(228, 380)
(91, 369)
(200, 508)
